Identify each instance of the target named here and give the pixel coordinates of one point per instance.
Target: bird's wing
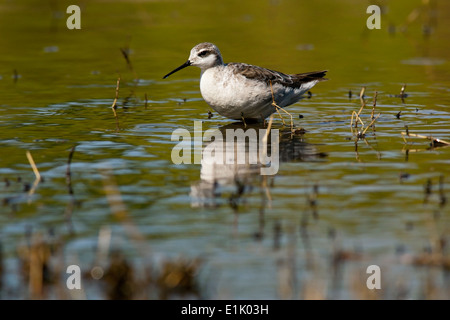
(267, 75)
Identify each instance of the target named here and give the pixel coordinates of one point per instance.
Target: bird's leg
(243, 119)
(290, 115)
(274, 103)
(278, 108)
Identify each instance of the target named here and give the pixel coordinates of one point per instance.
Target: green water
(56, 91)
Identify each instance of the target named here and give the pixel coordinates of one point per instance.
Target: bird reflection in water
(228, 180)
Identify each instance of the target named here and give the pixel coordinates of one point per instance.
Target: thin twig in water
(374, 104)
(146, 101)
(70, 205)
(114, 105)
(68, 172)
(405, 133)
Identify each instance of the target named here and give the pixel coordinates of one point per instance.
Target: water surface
(336, 205)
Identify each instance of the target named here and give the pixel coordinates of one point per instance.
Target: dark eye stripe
(204, 53)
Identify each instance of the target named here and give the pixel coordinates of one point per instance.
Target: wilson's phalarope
(239, 90)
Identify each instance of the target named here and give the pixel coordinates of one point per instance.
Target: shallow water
(310, 231)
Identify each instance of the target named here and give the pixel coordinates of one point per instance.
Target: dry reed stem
(435, 141)
(361, 93)
(36, 173)
(33, 166)
(356, 116)
(371, 123)
(361, 98)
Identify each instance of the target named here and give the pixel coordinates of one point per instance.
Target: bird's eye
(203, 53)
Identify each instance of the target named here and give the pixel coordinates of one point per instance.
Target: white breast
(231, 95)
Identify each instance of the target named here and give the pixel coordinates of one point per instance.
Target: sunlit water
(258, 238)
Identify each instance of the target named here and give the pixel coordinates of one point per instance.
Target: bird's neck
(217, 63)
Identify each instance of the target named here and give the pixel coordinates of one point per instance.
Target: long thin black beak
(184, 65)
